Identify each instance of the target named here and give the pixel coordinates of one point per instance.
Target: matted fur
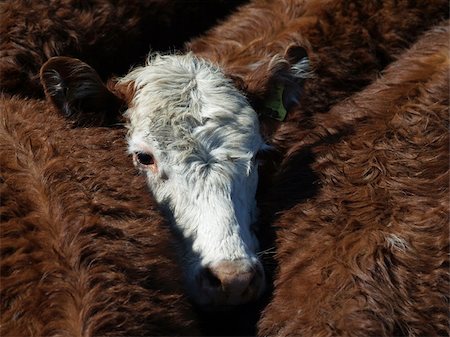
(84, 252)
(368, 254)
(348, 44)
(110, 35)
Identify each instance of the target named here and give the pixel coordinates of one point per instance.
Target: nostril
(231, 282)
(211, 279)
(231, 276)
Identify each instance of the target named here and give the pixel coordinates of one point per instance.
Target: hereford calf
(84, 252)
(367, 254)
(195, 138)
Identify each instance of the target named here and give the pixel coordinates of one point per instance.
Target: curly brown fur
(368, 254)
(348, 42)
(84, 251)
(111, 35)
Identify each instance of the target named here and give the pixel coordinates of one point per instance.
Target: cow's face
(195, 137)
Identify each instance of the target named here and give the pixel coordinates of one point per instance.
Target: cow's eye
(145, 159)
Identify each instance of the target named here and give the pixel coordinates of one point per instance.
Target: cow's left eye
(145, 158)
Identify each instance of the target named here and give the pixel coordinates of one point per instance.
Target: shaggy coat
(367, 255)
(84, 251)
(109, 34)
(348, 43)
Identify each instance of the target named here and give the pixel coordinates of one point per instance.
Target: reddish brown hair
(367, 254)
(108, 34)
(84, 250)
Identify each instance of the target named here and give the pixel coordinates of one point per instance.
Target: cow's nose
(232, 282)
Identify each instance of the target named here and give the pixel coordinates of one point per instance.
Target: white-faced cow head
(195, 138)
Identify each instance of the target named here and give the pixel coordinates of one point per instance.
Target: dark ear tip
(47, 73)
(56, 63)
(50, 64)
(55, 87)
(52, 76)
(294, 53)
(77, 91)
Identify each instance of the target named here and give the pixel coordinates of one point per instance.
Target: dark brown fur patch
(368, 253)
(109, 35)
(84, 250)
(348, 43)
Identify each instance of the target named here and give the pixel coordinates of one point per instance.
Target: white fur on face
(203, 136)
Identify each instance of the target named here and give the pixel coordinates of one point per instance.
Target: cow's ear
(294, 54)
(76, 90)
(289, 71)
(294, 76)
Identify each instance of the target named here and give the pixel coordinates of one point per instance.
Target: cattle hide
(367, 253)
(110, 35)
(348, 44)
(84, 250)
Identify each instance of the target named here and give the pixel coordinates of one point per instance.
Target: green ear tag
(274, 104)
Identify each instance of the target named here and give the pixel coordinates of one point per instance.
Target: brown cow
(84, 250)
(112, 35)
(367, 254)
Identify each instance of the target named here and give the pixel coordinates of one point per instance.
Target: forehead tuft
(185, 103)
